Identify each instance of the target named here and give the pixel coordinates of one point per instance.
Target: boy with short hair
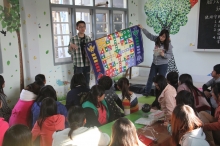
(216, 79)
(111, 97)
(78, 53)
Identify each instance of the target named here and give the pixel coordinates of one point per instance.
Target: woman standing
(162, 54)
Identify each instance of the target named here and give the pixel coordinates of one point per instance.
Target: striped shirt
(77, 54)
(130, 106)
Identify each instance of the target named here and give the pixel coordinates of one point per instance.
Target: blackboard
(209, 25)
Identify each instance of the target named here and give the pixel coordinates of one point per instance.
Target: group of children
(38, 110)
(188, 112)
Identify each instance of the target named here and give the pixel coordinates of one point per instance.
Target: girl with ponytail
(77, 134)
(96, 108)
(129, 99)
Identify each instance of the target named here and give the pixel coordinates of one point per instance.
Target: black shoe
(145, 94)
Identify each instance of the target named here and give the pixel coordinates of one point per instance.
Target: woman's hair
(172, 78)
(78, 79)
(18, 135)
(93, 94)
(123, 133)
(187, 80)
(33, 87)
(40, 79)
(46, 91)
(183, 120)
(106, 82)
(76, 117)
(2, 81)
(216, 90)
(48, 108)
(185, 97)
(123, 84)
(162, 83)
(166, 41)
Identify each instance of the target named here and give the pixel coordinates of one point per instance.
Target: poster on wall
(116, 52)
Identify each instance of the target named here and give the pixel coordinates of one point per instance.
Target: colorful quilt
(116, 52)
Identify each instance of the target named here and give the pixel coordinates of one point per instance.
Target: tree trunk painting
(10, 19)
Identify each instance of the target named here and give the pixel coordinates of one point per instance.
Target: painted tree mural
(10, 20)
(168, 14)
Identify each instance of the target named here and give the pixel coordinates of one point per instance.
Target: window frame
(72, 9)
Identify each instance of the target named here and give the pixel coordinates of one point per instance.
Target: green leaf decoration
(47, 51)
(8, 62)
(44, 13)
(10, 44)
(16, 56)
(10, 87)
(13, 36)
(47, 24)
(16, 70)
(1, 8)
(5, 49)
(169, 14)
(39, 36)
(11, 75)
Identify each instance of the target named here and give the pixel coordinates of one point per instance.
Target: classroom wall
(36, 42)
(198, 64)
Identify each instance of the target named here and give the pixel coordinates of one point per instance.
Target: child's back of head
(123, 85)
(18, 135)
(105, 82)
(172, 78)
(216, 71)
(78, 80)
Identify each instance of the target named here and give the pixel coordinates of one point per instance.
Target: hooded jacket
(4, 127)
(194, 138)
(21, 113)
(92, 113)
(61, 109)
(49, 126)
(82, 136)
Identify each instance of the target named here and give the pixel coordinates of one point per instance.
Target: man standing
(77, 51)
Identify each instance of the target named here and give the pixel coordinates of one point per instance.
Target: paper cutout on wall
(165, 14)
(209, 74)
(62, 83)
(116, 52)
(1, 60)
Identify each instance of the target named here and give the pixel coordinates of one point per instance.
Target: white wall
(198, 64)
(38, 50)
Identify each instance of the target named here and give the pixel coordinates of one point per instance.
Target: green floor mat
(144, 99)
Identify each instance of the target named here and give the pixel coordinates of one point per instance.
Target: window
(102, 25)
(118, 20)
(67, 2)
(120, 3)
(84, 14)
(102, 3)
(84, 2)
(102, 17)
(61, 34)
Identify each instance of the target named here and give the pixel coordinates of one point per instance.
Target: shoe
(145, 94)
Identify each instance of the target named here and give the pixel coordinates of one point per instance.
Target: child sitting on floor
(111, 97)
(186, 127)
(77, 134)
(129, 99)
(96, 108)
(124, 134)
(48, 122)
(18, 135)
(212, 124)
(216, 79)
